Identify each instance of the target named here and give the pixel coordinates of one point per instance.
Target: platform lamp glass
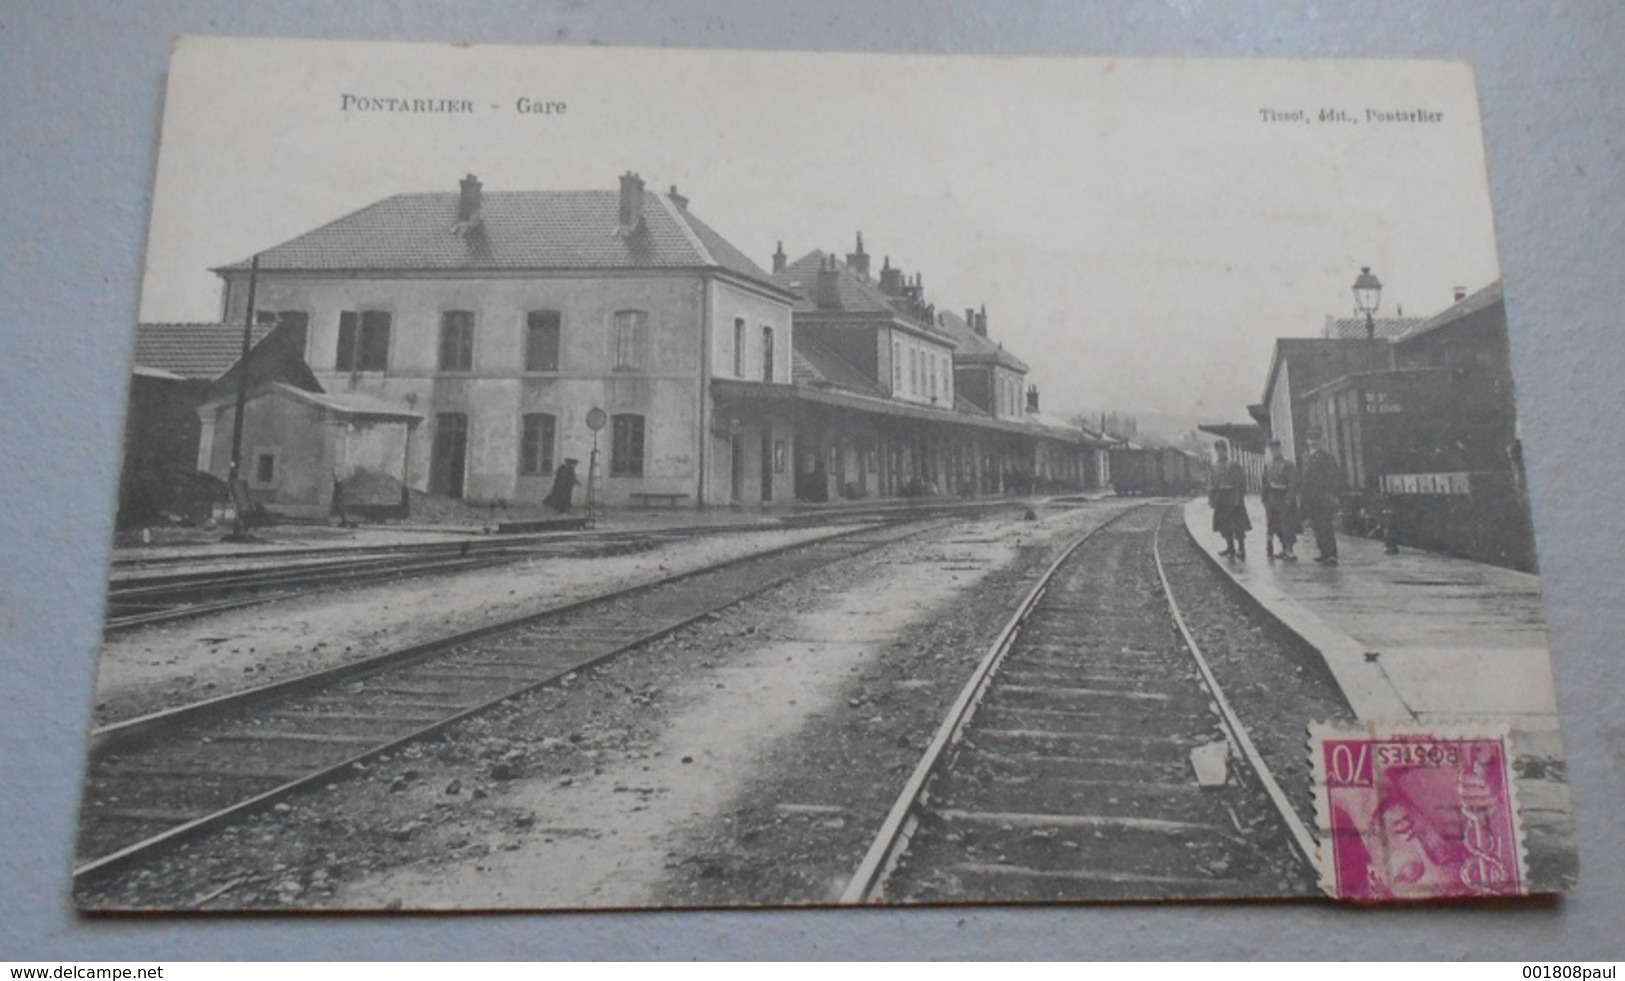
(1367, 294)
(596, 418)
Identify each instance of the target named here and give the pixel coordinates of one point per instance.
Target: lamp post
(1367, 294)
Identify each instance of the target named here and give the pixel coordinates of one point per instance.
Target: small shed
(300, 449)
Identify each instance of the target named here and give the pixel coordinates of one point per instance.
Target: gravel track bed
(531, 804)
(1276, 682)
(158, 667)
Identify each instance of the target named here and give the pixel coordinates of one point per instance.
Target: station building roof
(514, 230)
(971, 347)
(856, 298)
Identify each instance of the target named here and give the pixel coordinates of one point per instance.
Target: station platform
(1424, 637)
(1414, 635)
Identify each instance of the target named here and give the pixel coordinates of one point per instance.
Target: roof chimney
(779, 258)
(891, 280)
(858, 261)
(1460, 292)
(631, 215)
(981, 320)
(970, 317)
(468, 202)
(827, 293)
(1032, 398)
(678, 199)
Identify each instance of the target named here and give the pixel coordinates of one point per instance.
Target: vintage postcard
(575, 478)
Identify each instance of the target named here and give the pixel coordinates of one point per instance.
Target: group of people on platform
(1291, 496)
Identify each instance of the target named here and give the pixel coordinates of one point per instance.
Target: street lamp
(1367, 293)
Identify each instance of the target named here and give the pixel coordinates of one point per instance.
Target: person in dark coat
(1280, 503)
(1227, 495)
(564, 485)
(1320, 482)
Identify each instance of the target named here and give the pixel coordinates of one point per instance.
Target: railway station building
(499, 320)
(896, 398)
(504, 318)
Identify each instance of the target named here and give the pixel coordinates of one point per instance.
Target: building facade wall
(922, 369)
(663, 388)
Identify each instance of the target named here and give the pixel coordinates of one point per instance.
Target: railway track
(158, 780)
(1067, 769)
(138, 598)
(144, 600)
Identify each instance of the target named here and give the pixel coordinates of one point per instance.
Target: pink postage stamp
(1413, 812)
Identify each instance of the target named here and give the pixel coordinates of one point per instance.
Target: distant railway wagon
(1138, 471)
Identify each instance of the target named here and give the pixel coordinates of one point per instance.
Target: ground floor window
(536, 444)
(264, 468)
(626, 447)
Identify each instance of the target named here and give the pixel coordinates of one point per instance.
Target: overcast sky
(1139, 232)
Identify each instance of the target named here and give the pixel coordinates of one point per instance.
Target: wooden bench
(646, 497)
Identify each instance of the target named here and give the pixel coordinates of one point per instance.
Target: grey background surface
(83, 85)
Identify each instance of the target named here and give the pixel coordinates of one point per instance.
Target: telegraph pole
(242, 399)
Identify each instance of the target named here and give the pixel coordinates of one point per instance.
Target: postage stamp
(1407, 811)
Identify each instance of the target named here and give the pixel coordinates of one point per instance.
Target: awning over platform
(733, 390)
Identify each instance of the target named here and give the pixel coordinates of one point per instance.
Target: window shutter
(345, 359)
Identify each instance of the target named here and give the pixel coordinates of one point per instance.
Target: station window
(767, 354)
(739, 347)
(457, 340)
(631, 339)
(536, 444)
(363, 341)
(897, 366)
(265, 468)
(542, 340)
(626, 447)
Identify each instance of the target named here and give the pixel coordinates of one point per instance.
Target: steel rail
(1301, 836)
(118, 734)
(278, 587)
(144, 727)
(893, 836)
(895, 833)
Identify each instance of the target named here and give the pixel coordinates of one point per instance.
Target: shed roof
(346, 405)
(1468, 305)
(197, 351)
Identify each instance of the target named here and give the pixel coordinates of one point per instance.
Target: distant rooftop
(1352, 328)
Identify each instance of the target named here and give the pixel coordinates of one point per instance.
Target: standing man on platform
(1322, 480)
(1227, 495)
(1280, 503)
(564, 485)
